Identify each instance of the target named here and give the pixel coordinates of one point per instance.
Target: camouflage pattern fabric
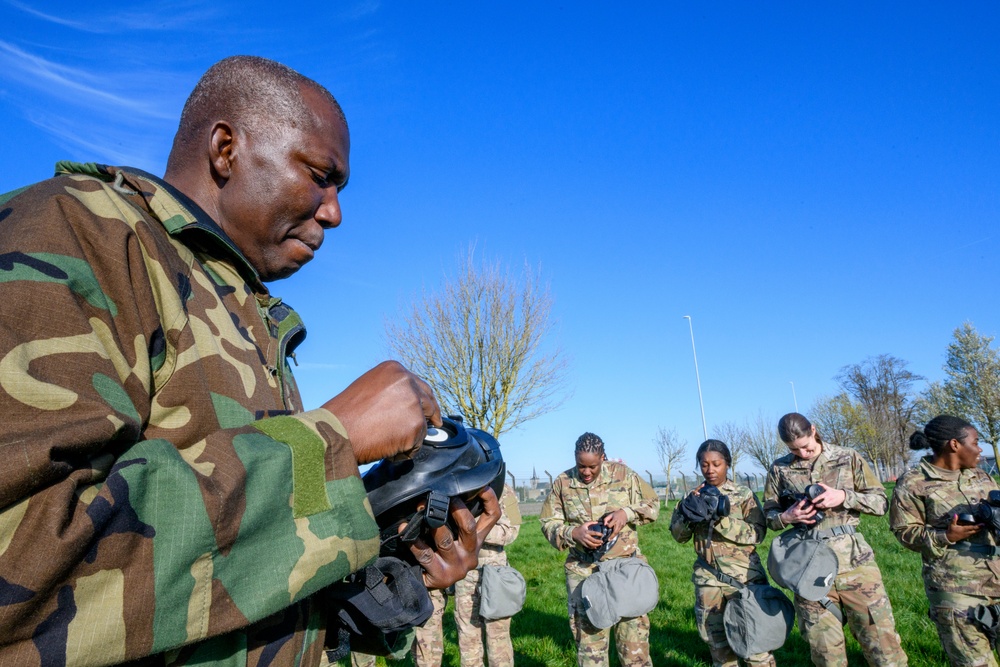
(734, 553)
(471, 627)
(858, 588)
(734, 539)
(863, 602)
(155, 448)
(964, 642)
(362, 660)
(839, 468)
(631, 634)
(572, 503)
(956, 582)
(709, 610)
(428, 647)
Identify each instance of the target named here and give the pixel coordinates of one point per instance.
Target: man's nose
(328, 215)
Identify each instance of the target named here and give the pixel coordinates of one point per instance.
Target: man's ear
(222, 149)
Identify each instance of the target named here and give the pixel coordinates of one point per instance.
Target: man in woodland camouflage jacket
(164, 499)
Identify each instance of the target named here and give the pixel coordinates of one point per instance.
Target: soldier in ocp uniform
(471, 627)
(730, 548)
(850, 488)
(579, 497)
(961, 567)
(428, 646)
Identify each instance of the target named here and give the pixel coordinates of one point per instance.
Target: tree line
(879, 403)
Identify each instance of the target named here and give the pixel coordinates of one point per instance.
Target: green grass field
(541, 632)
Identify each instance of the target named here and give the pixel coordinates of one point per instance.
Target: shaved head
(258, 95)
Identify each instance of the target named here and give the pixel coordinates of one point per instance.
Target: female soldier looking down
(730, 548)
(960, 557)
(849, 488)
(579, 497)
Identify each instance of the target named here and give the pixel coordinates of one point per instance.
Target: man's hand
(451, 557)
(385, 412)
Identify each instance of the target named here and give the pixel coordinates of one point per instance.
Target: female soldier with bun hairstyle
(961, 567)
(730, 548)
(849, 489)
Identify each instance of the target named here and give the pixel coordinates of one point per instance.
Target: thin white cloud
(72, 84)
(166, 16)
(362, 9)
(104, 143)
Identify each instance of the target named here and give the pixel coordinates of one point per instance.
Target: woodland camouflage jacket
(923, 502)
(159, 481)
(572, 503)
(839, 468)
(734, 539)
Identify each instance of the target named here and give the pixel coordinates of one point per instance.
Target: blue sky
(813, 183)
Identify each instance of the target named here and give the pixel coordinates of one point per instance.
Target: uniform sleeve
(553, 518)
(908, 522)
(644, 505)
(679, 527)
(745, 527)
(868, 495)
(507, 527)
(166, 543)
(772, 509)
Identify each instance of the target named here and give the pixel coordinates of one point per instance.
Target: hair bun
(919, 441)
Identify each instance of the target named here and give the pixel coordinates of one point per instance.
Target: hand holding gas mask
(810, 515)
(432, 499)
(433, 511)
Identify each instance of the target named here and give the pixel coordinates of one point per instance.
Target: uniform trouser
(709, 608)
(631, 634)
(362, 660)
(428, 645)
(964, 641)
(471, 628)
(862, 600)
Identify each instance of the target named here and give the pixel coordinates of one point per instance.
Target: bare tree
(735, 436)
(762, 442)
(478, 342)
(882, 386)
(846, 422)
(669, 449)
(972, 388)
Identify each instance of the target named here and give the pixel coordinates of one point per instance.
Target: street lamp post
(697, 377)
(794, 400)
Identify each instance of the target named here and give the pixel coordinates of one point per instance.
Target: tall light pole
(697, 377)
(794, 400)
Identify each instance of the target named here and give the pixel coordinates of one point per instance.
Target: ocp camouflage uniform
(470, 626)
(428, 645)
(956, 579)
(162, 493)
(733, 552)
(857, 590)
(572, 503)
(362, 660)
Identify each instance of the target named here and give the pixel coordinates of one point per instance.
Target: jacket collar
(177, 212)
